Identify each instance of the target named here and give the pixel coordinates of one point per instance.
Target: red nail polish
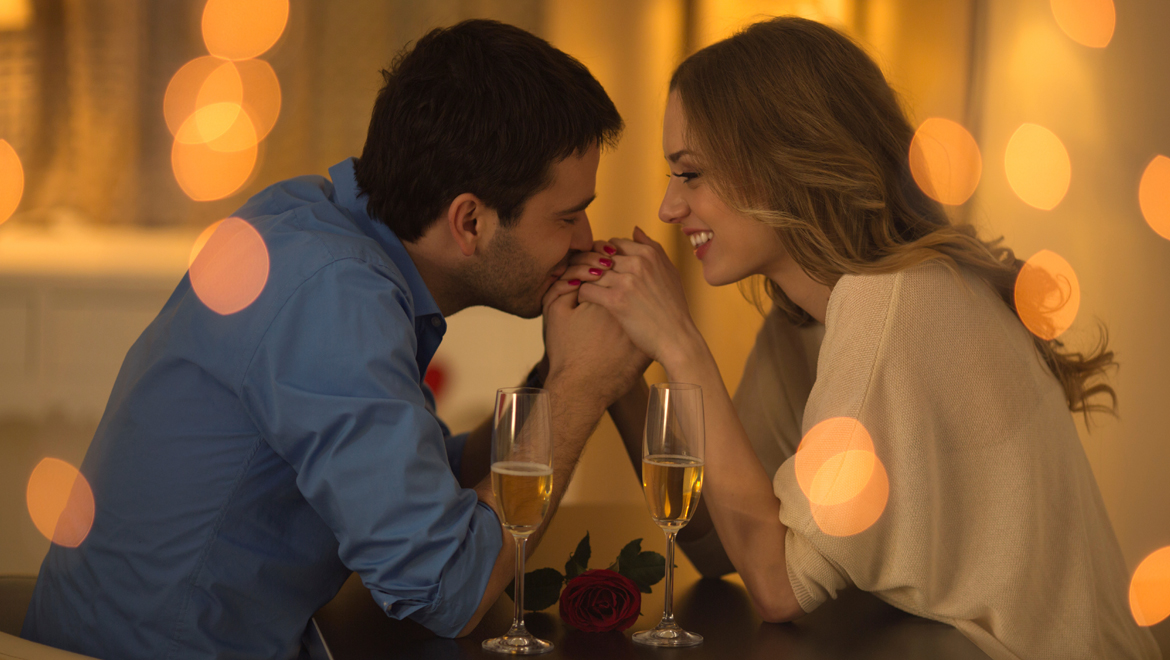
(595, 271)
(609, 249)
(574, 282)
(606, 262)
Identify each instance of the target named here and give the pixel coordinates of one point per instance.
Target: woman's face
(730, 245)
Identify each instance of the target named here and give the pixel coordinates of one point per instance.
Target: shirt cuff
(465, 578)
(814, 579)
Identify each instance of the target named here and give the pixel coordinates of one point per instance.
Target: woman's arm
(644, 292)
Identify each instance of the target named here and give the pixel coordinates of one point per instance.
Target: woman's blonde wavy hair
(796, 127)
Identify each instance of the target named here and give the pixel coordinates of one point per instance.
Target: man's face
(522, 261)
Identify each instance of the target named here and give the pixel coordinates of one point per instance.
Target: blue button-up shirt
(247, 463)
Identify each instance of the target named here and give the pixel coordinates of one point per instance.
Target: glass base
(522, 644)
(667, 635)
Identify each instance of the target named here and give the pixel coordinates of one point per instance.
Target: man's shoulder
(305, 229)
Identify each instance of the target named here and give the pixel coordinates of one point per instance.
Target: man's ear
(470, 222)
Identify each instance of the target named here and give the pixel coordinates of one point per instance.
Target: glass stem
(518, 618)
(668, 606)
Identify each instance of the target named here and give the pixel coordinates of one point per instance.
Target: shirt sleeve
(336, 391)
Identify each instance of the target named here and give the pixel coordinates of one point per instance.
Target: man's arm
(591, 364)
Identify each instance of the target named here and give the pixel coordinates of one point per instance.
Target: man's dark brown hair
(479, 107)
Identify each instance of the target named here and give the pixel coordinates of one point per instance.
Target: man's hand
(586, 345)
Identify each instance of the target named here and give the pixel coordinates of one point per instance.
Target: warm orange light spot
(60, 502)
(945, 161)
(1153, 195)
(1037, 165)
(1149, 590)
(842, 477)
(241, 29)
(1047, 294)
(11, 181)
(201, 240)
(261, 94)
(15, 14)
(232, 268)
(1087, 22)
(218, 168)
(860, 513)
(202, 82)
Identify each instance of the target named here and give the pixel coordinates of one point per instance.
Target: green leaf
(644, 568)
(578, 561)
(542, 588)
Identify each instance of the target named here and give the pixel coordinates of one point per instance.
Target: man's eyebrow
(578, 208)
(678, 154)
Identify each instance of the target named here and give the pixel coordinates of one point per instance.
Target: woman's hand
(583, 267)
(644, 292)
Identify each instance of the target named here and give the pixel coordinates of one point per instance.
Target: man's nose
(582, 236)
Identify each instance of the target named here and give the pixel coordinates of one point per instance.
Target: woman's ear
(470, 222)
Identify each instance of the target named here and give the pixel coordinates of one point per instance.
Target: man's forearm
(575, 414)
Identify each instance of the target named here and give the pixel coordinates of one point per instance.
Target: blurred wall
(1109, 108)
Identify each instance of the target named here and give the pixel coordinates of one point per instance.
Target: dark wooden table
(856, 625)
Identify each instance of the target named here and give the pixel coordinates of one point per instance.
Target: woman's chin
(716, 277)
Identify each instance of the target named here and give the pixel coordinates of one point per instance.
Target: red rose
(600, 600)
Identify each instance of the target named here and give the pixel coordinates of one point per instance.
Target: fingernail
(606, 262)
(609, 249)
(595, 271)
(574, 282)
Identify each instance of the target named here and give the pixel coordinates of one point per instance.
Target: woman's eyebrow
(678, 154)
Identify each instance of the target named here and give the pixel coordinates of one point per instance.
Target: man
(248, 462)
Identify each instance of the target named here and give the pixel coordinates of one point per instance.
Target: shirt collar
(346, 193)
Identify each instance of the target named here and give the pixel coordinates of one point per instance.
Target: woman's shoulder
(927, 292)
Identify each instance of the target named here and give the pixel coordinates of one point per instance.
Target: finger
(561, 288)
(644, 238)
(591, 260)
(627, 247)
(591, 292)
(604, 247)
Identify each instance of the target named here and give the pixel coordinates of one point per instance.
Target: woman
(788, 157)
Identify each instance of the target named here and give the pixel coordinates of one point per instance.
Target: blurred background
(129, 127)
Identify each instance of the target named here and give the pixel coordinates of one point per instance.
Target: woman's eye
(685, 176)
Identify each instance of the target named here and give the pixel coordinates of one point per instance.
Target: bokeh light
(261, 98)
(1047, 294)
(1038, 168)
(945, 161)
(199, 83)
(1153, 195)
(201, 240)
(231, 270)
(15, 14)
(1087, 22)
(218, 168)
(242, 29)
(60, 502)
(1149, 590)
(11, 181)
(842, 477)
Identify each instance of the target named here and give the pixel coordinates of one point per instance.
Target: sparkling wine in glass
(672, 480)
(522, 483)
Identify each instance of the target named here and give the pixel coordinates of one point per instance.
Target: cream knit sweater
(994, 523)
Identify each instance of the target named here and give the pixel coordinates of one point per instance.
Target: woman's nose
(673, 208)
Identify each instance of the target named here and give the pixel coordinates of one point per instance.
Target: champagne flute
(522, 483)
(672, 479)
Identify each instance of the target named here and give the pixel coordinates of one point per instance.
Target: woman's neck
(810, 295)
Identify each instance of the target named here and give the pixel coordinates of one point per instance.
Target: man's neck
(438, 278)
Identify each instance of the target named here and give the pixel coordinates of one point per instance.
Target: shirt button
(435, 321)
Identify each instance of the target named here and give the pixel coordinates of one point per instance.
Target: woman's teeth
(699, 238)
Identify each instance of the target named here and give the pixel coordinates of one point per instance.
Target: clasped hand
(639, 287)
